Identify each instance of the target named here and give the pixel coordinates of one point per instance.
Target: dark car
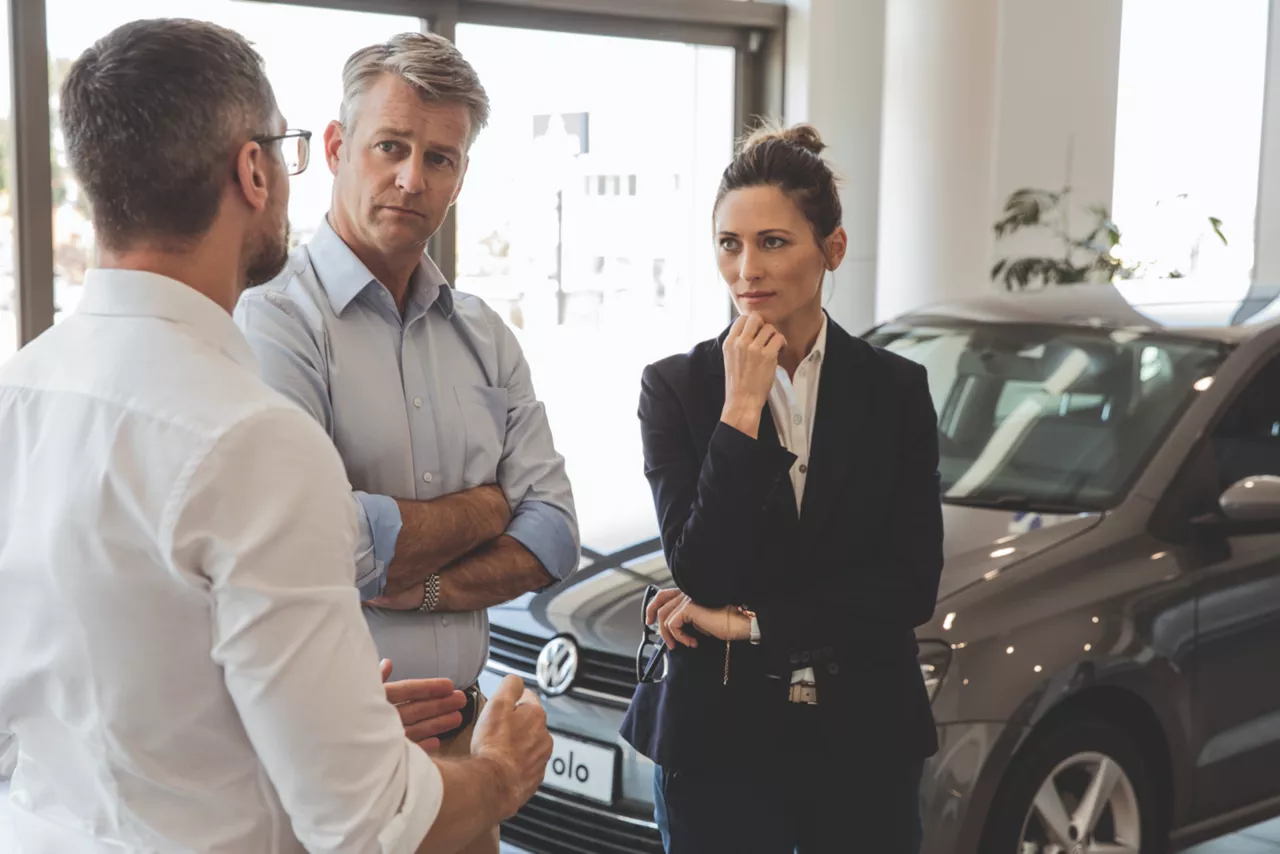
(1103, 659)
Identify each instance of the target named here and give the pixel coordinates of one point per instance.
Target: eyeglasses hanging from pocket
(651, 656)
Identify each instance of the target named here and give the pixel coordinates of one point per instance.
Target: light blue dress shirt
(428, 404)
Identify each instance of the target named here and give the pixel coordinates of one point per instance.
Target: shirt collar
(344, 276)
(135, 293)
(819, 345)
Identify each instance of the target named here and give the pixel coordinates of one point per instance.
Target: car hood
(600, 604)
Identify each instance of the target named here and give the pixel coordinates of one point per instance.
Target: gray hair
(428, 62)
(152, 114)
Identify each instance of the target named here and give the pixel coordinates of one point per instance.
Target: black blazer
(839, 589)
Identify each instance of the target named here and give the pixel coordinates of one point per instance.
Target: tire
(1076, 756)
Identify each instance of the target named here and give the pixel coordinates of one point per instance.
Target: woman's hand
(750, 366)
(676, 613)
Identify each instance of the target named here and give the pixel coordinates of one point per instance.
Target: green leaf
(1217, 229)
(1065, 273)
(1020, 273)
(1026, 208)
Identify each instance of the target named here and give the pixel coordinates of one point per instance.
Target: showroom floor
(1259, 839)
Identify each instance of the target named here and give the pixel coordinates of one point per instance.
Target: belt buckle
(804, 692)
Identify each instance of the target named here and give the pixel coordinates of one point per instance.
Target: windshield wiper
(1018, 504)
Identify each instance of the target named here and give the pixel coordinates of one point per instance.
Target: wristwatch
(430, 593)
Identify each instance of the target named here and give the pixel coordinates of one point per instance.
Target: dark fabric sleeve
(709, 512)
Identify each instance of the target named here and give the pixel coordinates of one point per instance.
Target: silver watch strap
(430, 593)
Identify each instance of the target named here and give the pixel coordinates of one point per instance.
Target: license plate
(582, 768)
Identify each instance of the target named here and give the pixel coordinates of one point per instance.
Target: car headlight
(935, 658)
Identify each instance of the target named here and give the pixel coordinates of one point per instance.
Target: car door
(1235, 668)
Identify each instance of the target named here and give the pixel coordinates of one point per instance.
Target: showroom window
(585, 218)
(305, 72)
(1188, 136)
(585, 221)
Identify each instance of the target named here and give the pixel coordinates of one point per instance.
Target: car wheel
(1084, 788)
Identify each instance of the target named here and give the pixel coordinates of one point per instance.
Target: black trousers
(801, 800)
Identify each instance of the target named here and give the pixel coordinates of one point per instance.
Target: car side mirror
(1252, 501)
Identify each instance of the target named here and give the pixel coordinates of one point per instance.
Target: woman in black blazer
(794, 470)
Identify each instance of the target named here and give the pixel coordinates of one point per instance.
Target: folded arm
(537, 543)
(710, 513)
(400, 542)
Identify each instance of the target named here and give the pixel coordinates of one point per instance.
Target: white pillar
(1266, 266)
(1056, 111)
(937, 149)
(975, 108)
(834, 81)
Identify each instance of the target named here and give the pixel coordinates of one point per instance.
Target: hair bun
(804, 136)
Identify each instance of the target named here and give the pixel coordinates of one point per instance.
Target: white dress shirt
(794, 404)
(183, 662)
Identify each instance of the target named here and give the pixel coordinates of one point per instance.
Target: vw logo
(557, 666)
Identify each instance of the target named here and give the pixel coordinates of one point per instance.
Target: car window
(1246, 441)
(1061, 416)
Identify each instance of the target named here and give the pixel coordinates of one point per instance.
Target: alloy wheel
(1086, 805)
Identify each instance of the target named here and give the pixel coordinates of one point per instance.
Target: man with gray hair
(184, 665)
(462, 499)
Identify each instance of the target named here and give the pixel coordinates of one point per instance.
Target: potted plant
(1086, 257)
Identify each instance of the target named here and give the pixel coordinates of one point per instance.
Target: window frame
(755, 29)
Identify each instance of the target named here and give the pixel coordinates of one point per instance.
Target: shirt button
(444, 621)
(799, 419)
(426, 476)
(803, 468)
(417, 402)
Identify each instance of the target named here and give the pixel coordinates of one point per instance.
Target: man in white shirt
(183, 661)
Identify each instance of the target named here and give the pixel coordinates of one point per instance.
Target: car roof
(1102, 307)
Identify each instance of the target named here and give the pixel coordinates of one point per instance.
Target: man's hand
(678, 613)
(428, 707)
(511, 734)
(408, 600)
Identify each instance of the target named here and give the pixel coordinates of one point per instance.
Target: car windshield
(1050, 418)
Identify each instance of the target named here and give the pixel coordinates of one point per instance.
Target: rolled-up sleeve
(8, 755)
(542, 529)
(265, 516)
(379, 522)
(531, 471)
